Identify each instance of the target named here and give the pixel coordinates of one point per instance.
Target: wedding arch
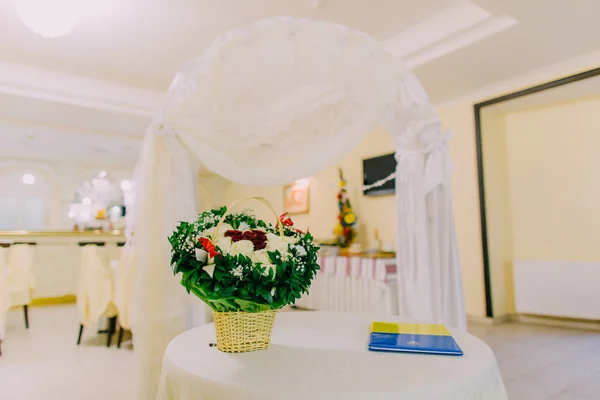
(276, 101)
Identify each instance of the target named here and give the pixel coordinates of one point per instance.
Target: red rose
(286, 220)
(209, 247)
(235, 235)
(258, 238)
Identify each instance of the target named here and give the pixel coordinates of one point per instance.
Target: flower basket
(244, 269)
(239, 332)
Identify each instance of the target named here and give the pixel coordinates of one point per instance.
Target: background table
(317, 355)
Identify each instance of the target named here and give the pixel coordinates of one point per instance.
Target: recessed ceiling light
(28, 179)
(50, 18)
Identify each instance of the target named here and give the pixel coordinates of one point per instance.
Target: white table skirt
(353, 284)
(318, 356)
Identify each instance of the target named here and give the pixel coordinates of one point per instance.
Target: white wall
(373, 212)
(553, 163)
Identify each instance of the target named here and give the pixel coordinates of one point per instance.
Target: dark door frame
(489, 309)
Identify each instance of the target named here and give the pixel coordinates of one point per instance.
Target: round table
(318, 355)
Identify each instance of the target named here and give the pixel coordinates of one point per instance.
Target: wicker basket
(240, 332)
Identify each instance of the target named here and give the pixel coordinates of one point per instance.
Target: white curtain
(429, 277)
(264, 105)
(165, 193)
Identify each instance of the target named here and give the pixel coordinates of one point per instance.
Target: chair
(20, 277)
(95, 293)
(4, 295)
(123, 280)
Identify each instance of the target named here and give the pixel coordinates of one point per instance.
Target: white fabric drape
(429, 277)
(271, 93)
(264, 105)
(4, 292)
(165, 182)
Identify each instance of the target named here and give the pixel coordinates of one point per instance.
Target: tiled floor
(45, 364)
(539, 363)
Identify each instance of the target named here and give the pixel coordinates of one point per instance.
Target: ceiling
(143, 43)
(91, 94)
(549, 31)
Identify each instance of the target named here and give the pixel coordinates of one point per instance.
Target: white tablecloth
(318, 356)
(354, 284)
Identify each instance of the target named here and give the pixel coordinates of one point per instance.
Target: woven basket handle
(237, 203)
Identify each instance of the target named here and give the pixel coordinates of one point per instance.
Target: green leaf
(267, 296)
(250, 306)
(228, 291)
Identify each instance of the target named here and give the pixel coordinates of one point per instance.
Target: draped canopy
(270, 103)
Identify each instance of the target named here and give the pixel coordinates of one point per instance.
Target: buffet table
(354, 283)
(316, 355)
(57, 258)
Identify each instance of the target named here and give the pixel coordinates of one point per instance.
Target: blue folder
(413, 338)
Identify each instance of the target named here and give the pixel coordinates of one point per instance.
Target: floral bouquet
(244, 269)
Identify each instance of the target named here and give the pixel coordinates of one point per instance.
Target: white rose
(276, 243)
(291, 239)
(244, 247)
(224, 244)
(261, 256)
(210, 232)
(300, 251)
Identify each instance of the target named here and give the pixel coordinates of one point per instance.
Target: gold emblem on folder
(413, 343)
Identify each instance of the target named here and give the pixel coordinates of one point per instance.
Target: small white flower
(244, 227)
(247, 212)
(238, 272)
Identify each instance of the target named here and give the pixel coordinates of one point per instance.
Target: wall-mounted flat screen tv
(378, 168)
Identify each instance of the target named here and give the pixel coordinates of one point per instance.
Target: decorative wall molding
(531, 78)
(460, 40)
(42, 84)
(134, 137)
(445, 32)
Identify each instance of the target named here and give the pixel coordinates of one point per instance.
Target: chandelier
(50, 18)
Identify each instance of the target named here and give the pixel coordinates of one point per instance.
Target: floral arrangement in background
(236, 262)
(345, 230)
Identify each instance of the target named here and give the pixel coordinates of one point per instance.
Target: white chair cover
(94, 290)
(20, 277)
(123, 281)
(4, 292)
